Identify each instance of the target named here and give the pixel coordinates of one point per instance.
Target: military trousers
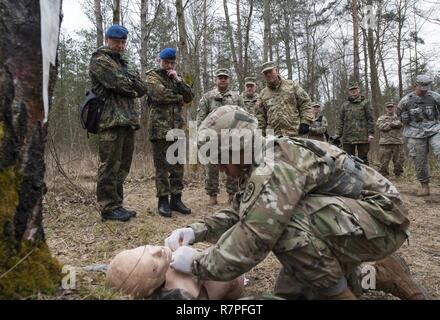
(169, 177)
(212, 181)
(327, 238)
(388, 152)
(361, 148)
(419, 149)
(116, 146)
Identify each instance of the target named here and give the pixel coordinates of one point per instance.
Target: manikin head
(139, 271)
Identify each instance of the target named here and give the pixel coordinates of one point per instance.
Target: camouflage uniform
(118, 87)
(318, 129)
(390, 144)
(249, 103)
(166, 99)
(320, 212)
(354, 125)
(208, 103)
(283, 107)
(421, 119)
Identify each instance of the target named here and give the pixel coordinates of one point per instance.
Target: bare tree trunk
(232, 45)
(116, 11)
(246, 40)
(99, 28)
(267, 50)
(354, 10)
(286, 39)
(364, 44)
(376, 97)
(26, 265)
(144, 37)
(239, 40)
(205, 48)
(295, 46)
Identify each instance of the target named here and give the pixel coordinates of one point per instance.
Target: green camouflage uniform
(354, 125)
(390, 144)
(317, 218)
(118, 87)
(319, 128)
(282, 108)
(249, 102)
(208, 103)
(166, 99)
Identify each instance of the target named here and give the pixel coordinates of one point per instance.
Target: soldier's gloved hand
(303, 128)
(182, 259)
(335, 140)
(180, 237)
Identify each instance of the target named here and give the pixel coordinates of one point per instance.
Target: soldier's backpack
(90, 112)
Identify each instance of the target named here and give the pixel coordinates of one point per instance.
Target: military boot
(213, 200)
(393, 276)
(116, 214)
(164, 207)
(424, 190)
(176, 204)
(132, 213)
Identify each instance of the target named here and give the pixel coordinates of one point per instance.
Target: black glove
(335, 140)
(303, 128)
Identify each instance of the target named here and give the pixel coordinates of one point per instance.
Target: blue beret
(168, 53)
(116, 31)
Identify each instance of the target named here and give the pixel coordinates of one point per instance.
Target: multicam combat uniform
(117, 87)
(166, 99)
(283, 107)
(355, 124)
(320, 212)
(421, 119)
(318, 129)
(249, 103)
(390, 144)
(208, 103)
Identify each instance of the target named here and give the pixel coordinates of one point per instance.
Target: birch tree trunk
(26, 265)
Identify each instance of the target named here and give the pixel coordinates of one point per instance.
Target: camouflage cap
(240, 124)
(267, 66)
(249, 80)
(423, 81)
(316, 104)
(389, 103)
(222, 72)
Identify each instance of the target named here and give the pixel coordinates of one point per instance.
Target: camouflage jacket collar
(356, 100)
(225, 93)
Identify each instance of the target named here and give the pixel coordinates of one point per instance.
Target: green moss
(2, 131)
(39, 272)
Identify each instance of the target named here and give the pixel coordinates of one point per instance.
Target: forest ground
(78, 238)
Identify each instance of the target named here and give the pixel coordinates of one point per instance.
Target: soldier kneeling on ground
(316, 208)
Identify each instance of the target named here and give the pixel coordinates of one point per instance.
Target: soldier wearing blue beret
(117, 86)
(168, 92)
